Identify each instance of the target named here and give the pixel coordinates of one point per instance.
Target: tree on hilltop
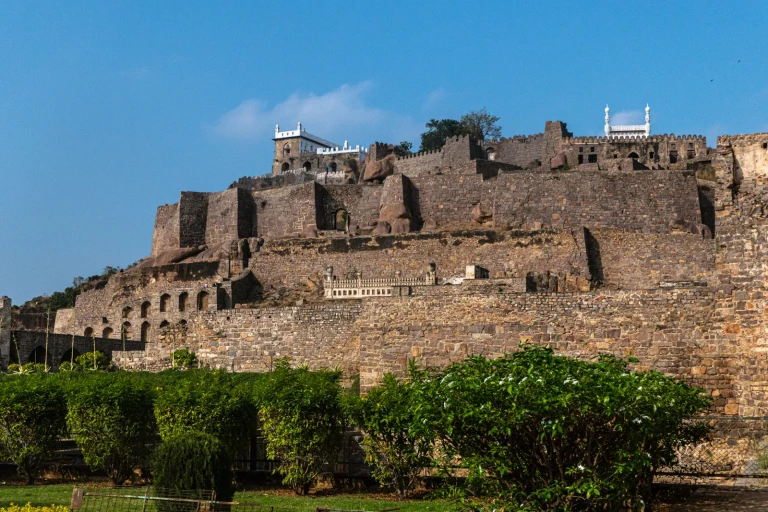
(480, 124)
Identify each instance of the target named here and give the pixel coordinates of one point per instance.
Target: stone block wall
(286, 211)
(449, 199)
(519, 151)
(360, 202)
(166, 233)
(29, 346)
(291, 262)
(636, 201)
(193, 217)
(418, 163)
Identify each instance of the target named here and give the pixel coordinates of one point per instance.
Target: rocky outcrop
(379, 169)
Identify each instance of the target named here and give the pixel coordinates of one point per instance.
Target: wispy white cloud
(434, 99)
(344, 106)
(628, 117)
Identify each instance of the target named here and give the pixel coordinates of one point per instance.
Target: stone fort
(362, 258)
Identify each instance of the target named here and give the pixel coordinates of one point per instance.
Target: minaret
(607, 121)
(647, 120)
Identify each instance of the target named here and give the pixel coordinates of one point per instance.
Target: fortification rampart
(29, 347)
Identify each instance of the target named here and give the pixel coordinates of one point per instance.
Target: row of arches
(203, 299)
(307, 166)
(126, 330)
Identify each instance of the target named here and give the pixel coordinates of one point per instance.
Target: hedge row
(530, 430)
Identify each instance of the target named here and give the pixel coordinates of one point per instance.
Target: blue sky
(109, 109)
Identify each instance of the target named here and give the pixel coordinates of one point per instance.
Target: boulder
(480, 214)
(382, 228)
(309, 232)
(391, 212)
(430, 225)
(379, 169)
(401, 226)
(558, 161)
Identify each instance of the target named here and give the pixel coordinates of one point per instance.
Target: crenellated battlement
(601, 139)
(420, 154)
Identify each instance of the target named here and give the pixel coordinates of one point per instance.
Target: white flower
(581, 468)
(637, 420)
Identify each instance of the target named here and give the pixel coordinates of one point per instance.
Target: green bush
(14, 368)
(85, 361)
(111, 419)
(396, 443)
(67, 366)
(194, 461)
(302, 420)
(542, 432)
(184, 359)
(208, 402)
(32, 418)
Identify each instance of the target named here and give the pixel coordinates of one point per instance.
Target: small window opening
(581, 159)
(593, 158)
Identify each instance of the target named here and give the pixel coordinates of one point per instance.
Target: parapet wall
(29, 347)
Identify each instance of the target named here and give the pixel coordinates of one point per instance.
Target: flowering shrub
(544, 432)
(29, 508)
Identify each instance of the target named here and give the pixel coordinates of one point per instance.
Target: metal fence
(735, 453)
(150, 499)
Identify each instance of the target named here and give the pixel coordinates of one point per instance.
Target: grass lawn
(282, 500)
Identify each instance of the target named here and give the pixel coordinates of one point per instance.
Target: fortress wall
(165, 236)
(418, 163)
(60, 345)
(289, 262)
(321, 336)
(632, 261)
(450, 198)
(518, 151)
(224, 218)
(360, 202)
(286, 211)
(193, 213)
(639, 201)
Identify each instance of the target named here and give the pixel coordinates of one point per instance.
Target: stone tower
(289, 145)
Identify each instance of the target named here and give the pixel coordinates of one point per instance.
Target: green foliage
(110, 418)
(479, 124)
(396, 443)
(184, 359)
(302, 420)
(65, 299)
(438, 131)
(32, 416)
(404, 148)
(85, 361)
(554, 433)
(67, 366)
(210, 402)
(14, 368)
(194, 461)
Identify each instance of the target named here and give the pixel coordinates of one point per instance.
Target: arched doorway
(127, 312)
(285, 166)
(145, 309)
(341, 220)
(202, 301)
(164, 324)
(88, 333)
(307, 166)
(145, 331)
(37, 356)
(125, 331)
(286, 149)
(107, 333)
(332, 167)
(69, 356)
(491, 153)
(633, 155)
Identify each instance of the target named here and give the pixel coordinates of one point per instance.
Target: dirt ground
(719, 499)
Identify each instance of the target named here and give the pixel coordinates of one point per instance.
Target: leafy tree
(404, 148)
(397, 442)
(110, 418)
(208, 402)
(32, 417)
(481, 124)
(86, 361)
(193, 461)
(302, 420)
(438, 131)
(65, 299)
(554, 433)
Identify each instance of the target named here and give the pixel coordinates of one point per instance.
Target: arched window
(88, 332)
(285, 167)
(307, 166)
(127, 312)
(332, 167)
(491, 153)
(165, 301)
(107, 333)
(183, 301)
(145, 331)
(202, 301)
(164, 324)
(341, 220)
(145, 309)
(287, 149)
(633, 155)
(125, 331)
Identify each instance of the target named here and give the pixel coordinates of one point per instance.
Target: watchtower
(290, 144)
